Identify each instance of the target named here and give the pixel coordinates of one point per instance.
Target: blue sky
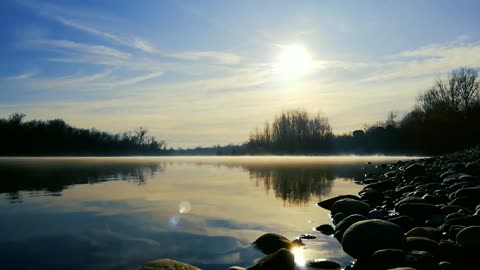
(201, 72)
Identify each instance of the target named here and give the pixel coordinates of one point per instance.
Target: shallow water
(118, 213)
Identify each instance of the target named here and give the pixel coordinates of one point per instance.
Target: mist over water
(118, 213)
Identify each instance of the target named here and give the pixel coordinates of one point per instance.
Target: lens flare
(184, 207)
(298, 254)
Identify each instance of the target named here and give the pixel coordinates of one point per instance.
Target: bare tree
(458, 94)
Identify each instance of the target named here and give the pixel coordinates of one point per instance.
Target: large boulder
(282, 259)
(364, 238)
(271, 242)
(167, 264)
(350, 207)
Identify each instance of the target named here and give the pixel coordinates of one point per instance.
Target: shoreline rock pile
(420, 214)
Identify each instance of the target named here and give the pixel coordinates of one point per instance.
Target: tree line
(446, 118)
(57, 138)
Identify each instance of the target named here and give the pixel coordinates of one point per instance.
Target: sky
(201, 73)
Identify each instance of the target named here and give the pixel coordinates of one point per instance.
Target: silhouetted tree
(56, 137)
(293, 131)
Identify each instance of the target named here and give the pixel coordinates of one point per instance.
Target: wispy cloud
(97, 50)
(53, 12)
(133, 42)
(220, 57)
(22, 76)
(430, 60)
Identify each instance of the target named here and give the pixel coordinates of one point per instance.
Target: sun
(293, 61)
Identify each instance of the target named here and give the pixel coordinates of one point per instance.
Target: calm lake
(118, 213)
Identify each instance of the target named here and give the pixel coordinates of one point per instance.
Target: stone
(167, 264)
(422, 244)
(413, 171)
(419, 211)
(420, 260)
(328, 203)
(405, 222)
(347, 222)
(326, 229)
(428, 232)
(465, 201)
(337, 218)
(446, 265)
(307, 236)
(365, 237)
(282, 259)
(449, 250)
(350, 207)
(412, 199)
(473, 192)
(372, 195)
(388, 258)
(469, 238)
(271, 242)
(323, 264)
(236, 268)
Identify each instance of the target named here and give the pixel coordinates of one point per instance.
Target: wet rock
(372, 195)
(446, 265)
(328, 203)
(388, 258)
(167, 264)
(465, 201)
(271, 242)
(308, 236)
(337, 218)
(427, 232)
(450, 251)
(282, 259)
(421, 211)
(382, 185)
(454, 215)
(435, 199)
(454, 230)
(412, 199)
(422, 244)
(420, 260)
(350, 207)
(469, 238)
(345, 224)
(413, 171)
(406, 223)
(464, 221)
(376, 214)
(236, 268)
(473, 192)
(325, 229)
(323, 263)
(365, 237)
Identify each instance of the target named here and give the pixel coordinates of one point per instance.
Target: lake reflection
(104, 213)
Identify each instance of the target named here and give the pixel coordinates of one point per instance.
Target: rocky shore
(420, 214)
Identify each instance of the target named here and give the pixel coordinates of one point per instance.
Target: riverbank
(422, 214)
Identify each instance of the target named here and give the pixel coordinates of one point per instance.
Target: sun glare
(298, 256)
(293, 62)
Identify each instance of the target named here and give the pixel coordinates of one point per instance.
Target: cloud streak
(22, 76)
(220, 57)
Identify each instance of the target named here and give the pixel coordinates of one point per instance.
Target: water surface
(118, 213)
